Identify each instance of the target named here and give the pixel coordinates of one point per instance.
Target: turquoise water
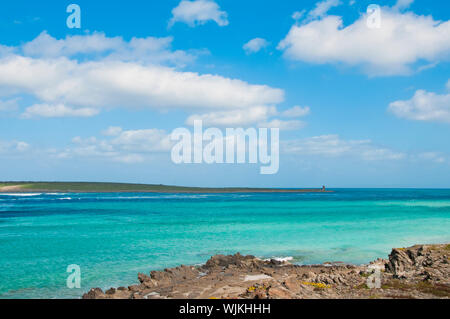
(112, 237)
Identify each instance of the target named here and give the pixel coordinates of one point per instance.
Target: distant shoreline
(86, 187)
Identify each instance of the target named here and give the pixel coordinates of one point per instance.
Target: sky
(361, 100)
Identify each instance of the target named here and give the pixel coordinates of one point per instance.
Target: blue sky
(356, 106)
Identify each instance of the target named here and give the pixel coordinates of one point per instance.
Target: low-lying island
(95, 187)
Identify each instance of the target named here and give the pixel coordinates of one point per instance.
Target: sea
(111, 237)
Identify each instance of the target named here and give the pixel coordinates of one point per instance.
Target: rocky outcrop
(421, 271)
(420, 262)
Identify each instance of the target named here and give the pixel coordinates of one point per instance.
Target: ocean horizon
(113, 236)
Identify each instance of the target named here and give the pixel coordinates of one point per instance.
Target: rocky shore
(421, 271)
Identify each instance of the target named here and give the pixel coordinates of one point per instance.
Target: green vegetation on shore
(68, 187)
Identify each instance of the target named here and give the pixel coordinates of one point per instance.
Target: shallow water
(112, 237)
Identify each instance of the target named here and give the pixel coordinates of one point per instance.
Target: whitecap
(20, 194)
(282, 259)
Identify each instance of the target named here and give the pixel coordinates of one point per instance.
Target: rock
(400, 262)
(143, 278)
(225, 261)
(279, 293)
(421, 271)
(94, 293)
(110, 291)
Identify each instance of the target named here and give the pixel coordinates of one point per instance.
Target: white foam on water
(20, 194)
(282, 259)
(175, 196)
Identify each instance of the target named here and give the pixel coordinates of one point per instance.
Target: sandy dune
(10, 188)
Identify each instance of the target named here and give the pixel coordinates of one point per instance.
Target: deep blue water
(112, 237)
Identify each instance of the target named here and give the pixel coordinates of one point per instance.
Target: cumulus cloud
(296, 111)
(402, 4)
(323, 7)
(255, 45)
(117, 84)
(47, 46)
(403, 40)
(283, 125)
(13, 147)
(58, 110)
(259, 115)
(198, 12)
(146, 140)
(240, 117)
(435, 157)
(129, 146)
(334, 146)
(98, 46)
(9, 105)
(81, 75)
(6, 50)
(297, 15)
(423, 106)
(112, 131)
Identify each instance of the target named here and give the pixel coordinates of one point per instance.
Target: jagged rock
(225, 261)
(143, 278)
(110, 291)
(421, 271)
(94, 293)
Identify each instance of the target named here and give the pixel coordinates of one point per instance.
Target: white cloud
(80, 75)
(240, 117)
(13, 147)
(402, 4)
(297, 15)
(98, 46)
(5, 50)
(22, 146)
(283, 125)
(334, 146)
(47, 46)
(255, 45)
(112, 131)
(403, 40)
(448, 85)
(130, 158)
(323, 7)
(128, 84)
(9, 105)
(147, 140)
(296, 111)
(198, 12)
(423, 106)
(435, 157)
(57, 110)
(131, 146)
